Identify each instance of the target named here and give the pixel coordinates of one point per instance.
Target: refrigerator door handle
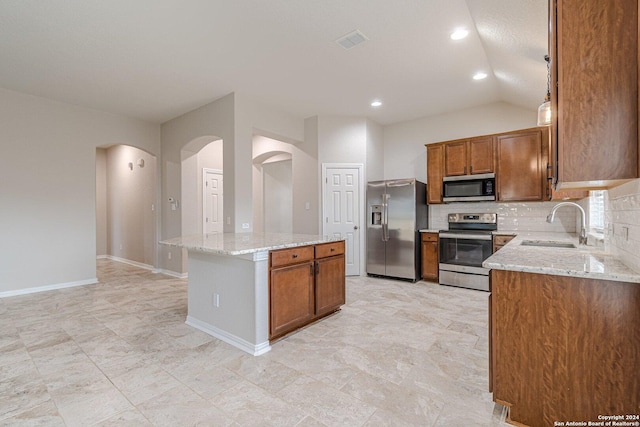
(385, 217)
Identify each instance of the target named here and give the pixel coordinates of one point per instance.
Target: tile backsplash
(622, 223)
(517, 216)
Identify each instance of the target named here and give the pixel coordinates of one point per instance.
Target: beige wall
(48, 187)
(405, 155)
(50, 190)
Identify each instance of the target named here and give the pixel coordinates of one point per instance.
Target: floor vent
(352, 39)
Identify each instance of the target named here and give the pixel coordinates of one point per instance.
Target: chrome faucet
(582, 239)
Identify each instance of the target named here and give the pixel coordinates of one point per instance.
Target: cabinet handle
(333, 249)
(295, 256)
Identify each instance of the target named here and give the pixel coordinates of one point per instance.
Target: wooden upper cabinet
(521, 171)
(469, 156)
(594, 63)
(455, 158)
(435, 173)
(481, 155)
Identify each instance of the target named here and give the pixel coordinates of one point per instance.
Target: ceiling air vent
(352, 39)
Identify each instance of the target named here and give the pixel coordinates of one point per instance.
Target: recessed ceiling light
(376, 103)
(479, 76)
(459, 34)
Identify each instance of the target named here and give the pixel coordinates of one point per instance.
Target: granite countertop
(244, 243)
(583, 261)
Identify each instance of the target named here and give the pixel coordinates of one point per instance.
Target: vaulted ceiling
(157, 59)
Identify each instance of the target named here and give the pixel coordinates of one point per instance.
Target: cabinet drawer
(501, 240)
(429, 237)
(330, 249)
(290, 256)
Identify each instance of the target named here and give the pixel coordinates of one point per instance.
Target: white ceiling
(157, 59)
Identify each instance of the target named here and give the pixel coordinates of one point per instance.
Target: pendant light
(544, 110)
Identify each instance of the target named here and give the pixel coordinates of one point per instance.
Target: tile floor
(119, 354)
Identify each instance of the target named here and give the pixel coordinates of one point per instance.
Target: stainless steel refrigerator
(396, 211)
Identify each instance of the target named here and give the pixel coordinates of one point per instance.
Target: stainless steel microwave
(469, 188)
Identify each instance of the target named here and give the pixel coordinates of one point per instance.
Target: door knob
(355, 227)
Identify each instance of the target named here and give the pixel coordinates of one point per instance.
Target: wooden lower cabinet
(430, 256)
(291, 299)
(305, 283)
(499, 240)
(563, 348)
(330, 281)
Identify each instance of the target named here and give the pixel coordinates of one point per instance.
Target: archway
(126, 205)
(199, 155)
(273, 192)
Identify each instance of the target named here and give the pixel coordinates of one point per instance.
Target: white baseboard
(235, 341)
(145, 266)
(128, 261)
(172, 273)
(48, 288)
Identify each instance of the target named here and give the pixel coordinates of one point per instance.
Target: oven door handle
(465, 236)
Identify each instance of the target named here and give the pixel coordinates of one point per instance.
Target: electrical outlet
(245, 225)
(216, 300)
(169, 255)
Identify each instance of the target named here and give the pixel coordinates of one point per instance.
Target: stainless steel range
(463, 248)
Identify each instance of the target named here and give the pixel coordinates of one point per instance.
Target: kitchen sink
(547, 244)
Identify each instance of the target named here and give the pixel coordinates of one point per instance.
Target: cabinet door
(481, 155)
(595, 61)
(330, 284)
(290, 298)
(430, 265)
(455, 158)
(435, 173)
(520, 170)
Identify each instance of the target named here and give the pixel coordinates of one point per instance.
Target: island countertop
(583, 261)
(245, 243)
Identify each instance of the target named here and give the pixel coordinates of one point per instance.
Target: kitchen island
(564, 331)
(228, 284)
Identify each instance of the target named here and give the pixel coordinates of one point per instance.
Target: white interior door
(212, 202)
(342, 210)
